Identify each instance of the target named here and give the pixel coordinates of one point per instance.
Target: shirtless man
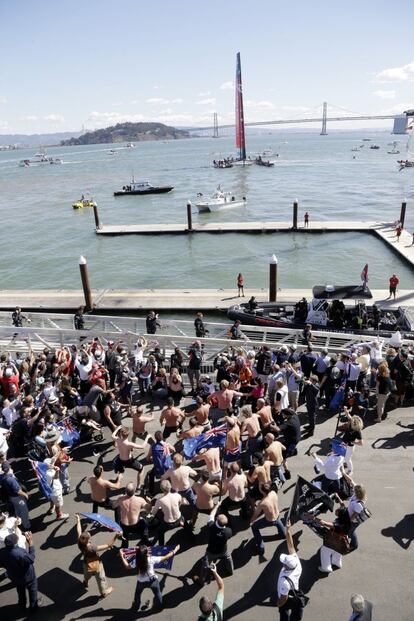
(125, 448)
(139, 420)
(168, 509)
(269, 506)
(179, 476)
(100, 487)
(273, 452)
(235, 486)
(251, 426)
(194, 430)
(232, 449)
(172, 417)
(264, 412)
(129, 508)
(201, 413)
(205, 492)
(257, 477)
(224, 398)
(211, 457)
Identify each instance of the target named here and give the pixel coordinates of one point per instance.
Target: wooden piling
(96, 215)
(402, 212)
(83, 266)
(295, 215)
(189, 216)
(273, 279)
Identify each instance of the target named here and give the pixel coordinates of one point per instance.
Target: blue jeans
(152, 584)
(64, 477)
(263, 523)
(189, 495)
(253, 445)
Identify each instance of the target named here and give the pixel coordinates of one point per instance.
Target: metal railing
(55, 330)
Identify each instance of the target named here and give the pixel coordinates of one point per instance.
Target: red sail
(240, 137)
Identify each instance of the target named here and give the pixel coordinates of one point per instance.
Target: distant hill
(37, 140)
(128, 132)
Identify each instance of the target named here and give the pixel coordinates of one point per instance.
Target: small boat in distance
(261, 162)
(143, 187)
(40, 159)
(374, 146)
(84, 202)
(130, 145)
(394, 150)
(219, 201)
(222, 164)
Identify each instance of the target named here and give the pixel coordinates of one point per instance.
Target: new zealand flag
(102, 520)
(39, 468)
(129, 555)
(70, 435)
(213, 438)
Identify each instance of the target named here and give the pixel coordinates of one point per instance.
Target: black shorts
(133, 463)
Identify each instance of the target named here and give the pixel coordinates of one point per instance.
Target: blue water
(43, 236)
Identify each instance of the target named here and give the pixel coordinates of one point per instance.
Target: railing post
(402, 212)
(295, 215)
(189, 216)
(273, 279)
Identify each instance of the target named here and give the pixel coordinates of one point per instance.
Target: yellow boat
(84, 202)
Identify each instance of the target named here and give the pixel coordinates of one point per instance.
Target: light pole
(273, 278)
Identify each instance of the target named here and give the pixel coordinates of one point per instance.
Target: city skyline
(101, 63)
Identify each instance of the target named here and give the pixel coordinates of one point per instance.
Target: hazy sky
(68, 63)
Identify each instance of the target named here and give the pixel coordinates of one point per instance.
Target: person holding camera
(213, 611)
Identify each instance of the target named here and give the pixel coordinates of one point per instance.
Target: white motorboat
(40, 159)
(130, 145)
(219, 201)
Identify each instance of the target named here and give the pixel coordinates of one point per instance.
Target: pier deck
(117, 301)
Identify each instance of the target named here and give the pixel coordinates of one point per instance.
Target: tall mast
(240, 136)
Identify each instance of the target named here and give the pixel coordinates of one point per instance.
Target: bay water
(43, 236)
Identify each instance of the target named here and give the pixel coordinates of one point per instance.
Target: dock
(136, 301)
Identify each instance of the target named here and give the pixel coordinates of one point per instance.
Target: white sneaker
(63, 516)
(325, 571)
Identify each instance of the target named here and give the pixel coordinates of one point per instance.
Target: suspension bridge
(400, 125)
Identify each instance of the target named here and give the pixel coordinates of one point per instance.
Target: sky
(93, 63)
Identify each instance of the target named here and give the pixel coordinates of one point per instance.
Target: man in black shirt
(78, 320)
(199, 326)
(290, 430)
(218, 536)
(20, 569)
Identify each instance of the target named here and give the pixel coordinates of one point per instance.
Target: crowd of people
(224, 442)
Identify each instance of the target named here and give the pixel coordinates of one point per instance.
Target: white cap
(289, 560)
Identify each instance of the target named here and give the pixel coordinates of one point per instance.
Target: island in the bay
(128, 132)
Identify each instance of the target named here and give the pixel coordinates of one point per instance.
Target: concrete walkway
(132, 300)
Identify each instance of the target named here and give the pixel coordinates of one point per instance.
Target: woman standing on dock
(240, 284)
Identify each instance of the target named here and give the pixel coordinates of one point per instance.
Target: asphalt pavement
(381, 568)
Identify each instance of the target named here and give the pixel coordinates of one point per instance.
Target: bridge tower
(324, 113)
(215, 125)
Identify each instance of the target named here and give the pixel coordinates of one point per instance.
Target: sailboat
(241, 159)
(409, 162)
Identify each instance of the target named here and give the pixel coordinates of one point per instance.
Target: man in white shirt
(289, 608)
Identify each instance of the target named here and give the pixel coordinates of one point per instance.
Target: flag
(338, 447)
(129, 555)
(40, 468)
(70, 435)
(364, 275)
(161, 457)
(213, 438)
(307, 496)
(103, 521)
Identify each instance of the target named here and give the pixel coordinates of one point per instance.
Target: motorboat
(130, 145)
(328, 311)
(261, 162)
(222, 164)
(84, 202)
(406, 164)
(219, 201)
(40, 159)
(374, 146)
(142, 187)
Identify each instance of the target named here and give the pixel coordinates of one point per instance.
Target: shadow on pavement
(402, 532)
